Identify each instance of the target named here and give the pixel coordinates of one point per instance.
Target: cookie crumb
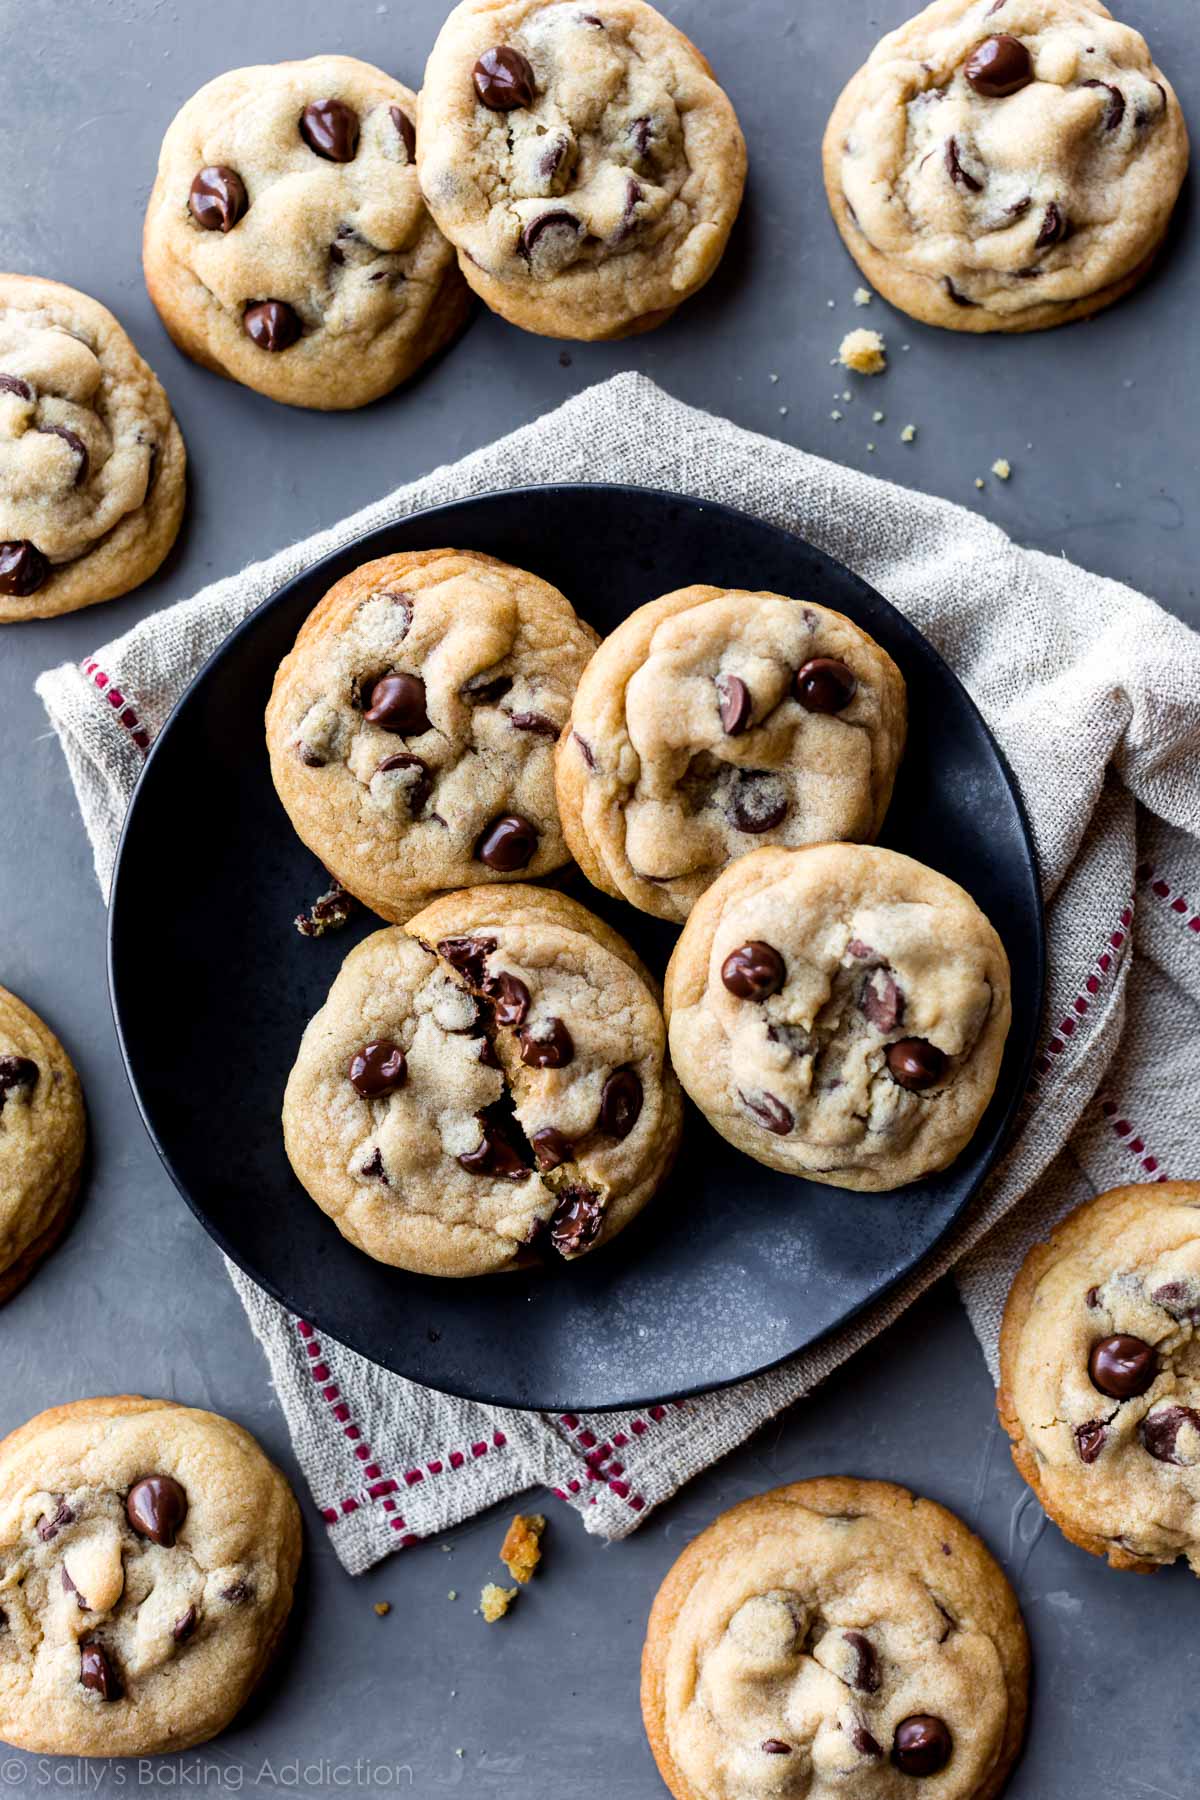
(978, 481)
(383, 1608)
(773, 379)
(862, 296)
(458, 1753)
(521, 1551)
(831, 303)
(908, 434)
(783, 412)
(329, 912)
(1002, 468)
(835, 414)
(495, 1601)
(870, 446)
(863, 351)
(877, 418)
(453, 1594)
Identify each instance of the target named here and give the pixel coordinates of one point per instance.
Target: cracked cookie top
(91, 460)
(581, 158)
(412, 727)
(839, 1012)
(834, 1637)
(1005, 164)
(488, 1084)
(286, 242)
(1100, 1374)
(41, 1139)
(147, 1558)
(713, 721)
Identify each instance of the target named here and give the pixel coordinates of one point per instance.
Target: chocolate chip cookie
(1100, 1375)
(713, 721)
(42, 1132)
(148, 1553)
(91, 460)
(486, 1085)
(582, 160)
(286, 242)
(840, 1013)
(1005, 165)
(833, 1638)
(412, 727)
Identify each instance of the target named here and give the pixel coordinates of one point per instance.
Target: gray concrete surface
(1100, 425)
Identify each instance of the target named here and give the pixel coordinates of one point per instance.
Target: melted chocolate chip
(185, 1626)
(759, 802)
(487, 1054)
(1052, 229)
(398, 704)
(1160, 1431)
(585, 750)
(1179, 1298)
(957, 172)
(736, 704)
(999, 66)
(865, 1675)
(864, 1743)
(504, 79)
(468, 955)
(406, 129)
(238, 1593)
(508, 844)
(550, 1148)
(1019, 208)
(922, 1745)
(1122, 1367)
(620, 1103)
(952, 291)
(97, 1673)
(1090, 1439)
(494, 1156)
(74, 443)
(329, 912)
(641, 135)
(769, 1112)
(510, 998)
(217, 198)
(824, 685)
(547, 1046)
(916, 1064)
(535, 722)
(420, 790)
(576, 1222)
(561, 222)
(1093, 1296)
(881, 1001)
(68, 1587)
(156, 1507)
(796, 1040)
(271, 324)
(23, 568)
(754, 971)
(485, 690)
(1115, 111)
(776, 1747)
(16, 1072)
(13, 384)
(373, 1168)
(330, 129)
(49, 1525)
(378, 1068)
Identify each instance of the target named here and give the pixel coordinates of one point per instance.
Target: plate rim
(356, 545)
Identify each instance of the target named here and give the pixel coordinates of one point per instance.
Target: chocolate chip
(957, 172)
(958, 299)
(504, 79)
(1093, 1296)
(865, 1676)
(1115, 110)
(217, 198)
(1019, 208)
(999, 66)
(864, 1743)
(494, 1156)
(760, 802)
(796, 1040)
(156, 1507)
(378, 1068)
(736, 704)
(535, 722)
(329, 912)
(1052, 228)
(1122, 1367)
(1090, 1440)
(419, 791)
(16, 1072)
(857, 948)
(406, 129)
(916, 1064)
(620, 1103)
(576, 1222)
(487, 1054)
(824, 685)
(585, 750)
(551, 1148)
(97, 1673)
(1160, 1430)
(770, 1113)
(330, 129)
(397, 703)
(13, 384)
(238, 1594)
(509, 996)
(312, 759)
(564, 224)
(23, 568)
(185, 1626)
(271, 324)
(547, 1046)
(755, 971)
(641, 135)
(49, 1525)
(468, 955)
(68, 1587)
(922, 1745)
(1180, 1298)
(776, 1747)
(74, 443)
(881, 1001)
(485, 690)
(508, 844)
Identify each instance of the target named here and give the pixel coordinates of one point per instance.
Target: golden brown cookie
(42, 1133)
(831, 1638)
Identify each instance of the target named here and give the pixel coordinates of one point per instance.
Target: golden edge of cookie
(59, 1207)
(1069, 1236)
(92, 578)
(918, 295)
(27, 1260)
(114, 1406)
(835, 1494)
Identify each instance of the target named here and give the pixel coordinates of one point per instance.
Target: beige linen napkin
(1094, 693)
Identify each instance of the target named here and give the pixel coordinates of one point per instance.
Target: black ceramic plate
(733, 1266)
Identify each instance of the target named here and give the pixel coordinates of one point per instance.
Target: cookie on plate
(1100, 1375)
(42, 1131)
(581, 158)
(1005, 165)
(713, 721)
(148, 1553)
(488, 1083)
(835, 1637)
(412, 727)
(286, 243)
(840, 1013)
(91, 460)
